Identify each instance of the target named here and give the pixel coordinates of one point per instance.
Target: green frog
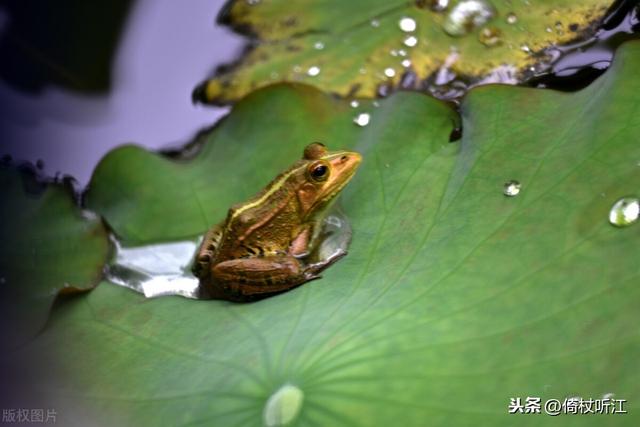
(260, 248)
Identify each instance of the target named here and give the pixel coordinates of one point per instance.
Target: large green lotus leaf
(453, 298)
(352, 47)
(48, 246)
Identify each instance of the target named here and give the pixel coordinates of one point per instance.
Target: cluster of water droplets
(408, 26)
(460, 18)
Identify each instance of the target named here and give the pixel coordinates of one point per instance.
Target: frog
(263, 246)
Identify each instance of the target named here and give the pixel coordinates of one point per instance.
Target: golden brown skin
(257, 250)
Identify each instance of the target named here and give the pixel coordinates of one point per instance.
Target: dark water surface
(165, 49)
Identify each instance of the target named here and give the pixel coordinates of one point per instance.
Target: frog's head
(325, 174)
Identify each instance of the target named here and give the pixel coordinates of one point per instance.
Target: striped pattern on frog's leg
(264, 275)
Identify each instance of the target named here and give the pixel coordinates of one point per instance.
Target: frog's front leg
(207, 248)
(300, 246)
(264, 275)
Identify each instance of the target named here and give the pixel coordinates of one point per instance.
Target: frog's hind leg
(259, 276)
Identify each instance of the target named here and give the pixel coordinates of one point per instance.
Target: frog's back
(259, 226)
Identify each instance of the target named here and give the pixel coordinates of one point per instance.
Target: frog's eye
(318, 171)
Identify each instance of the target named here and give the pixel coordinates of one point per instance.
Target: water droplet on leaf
(410, 41)
(375, 23)
(466, 16)
(389, 72)
(354, 104)
(407, 24)
(406, 63)
(511, 188)
(624, 212)
(362, 119)
(318, 45)
(313, 71)
(283, 406)
(512, 18)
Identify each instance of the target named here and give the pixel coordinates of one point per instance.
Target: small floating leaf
(358, 34)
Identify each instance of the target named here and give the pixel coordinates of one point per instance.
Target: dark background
(81, 77)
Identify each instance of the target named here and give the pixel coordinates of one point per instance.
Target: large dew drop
(624, 212)
(468, 15)
(283, 406)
